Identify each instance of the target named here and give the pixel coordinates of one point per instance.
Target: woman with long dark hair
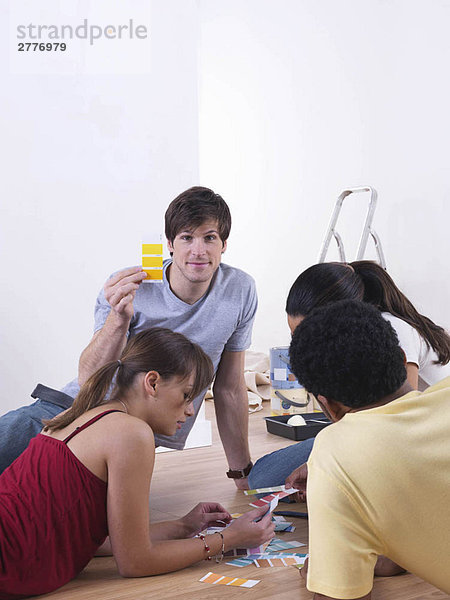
(425, 344)
(87, 476)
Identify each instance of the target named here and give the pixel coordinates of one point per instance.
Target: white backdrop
(301, 99)
(91, 163)
(298, 100)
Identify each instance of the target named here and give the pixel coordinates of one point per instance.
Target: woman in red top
(87, 475)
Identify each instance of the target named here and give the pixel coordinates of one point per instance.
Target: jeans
(18, 427)
(272, 469)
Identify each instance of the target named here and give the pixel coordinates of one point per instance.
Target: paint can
(287, 396)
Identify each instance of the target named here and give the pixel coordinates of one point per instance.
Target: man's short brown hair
(192, 208)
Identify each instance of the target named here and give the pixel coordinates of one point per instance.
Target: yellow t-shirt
(379, 483)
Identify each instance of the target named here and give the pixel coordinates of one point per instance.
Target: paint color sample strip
(152, 261)
(214, 578)
(240, 562)
(268, 499)
(300, 565)
(273, 504)
(246, 561)
(277, 544)
(263, 501)
(258, 549)
(244, 552)
(270, 555)
(278, 561)
(284, 526)
(281, 524)
(237, 552)
(266, 490)
(211, 530)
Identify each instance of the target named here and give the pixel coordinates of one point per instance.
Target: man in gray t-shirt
(211, 303)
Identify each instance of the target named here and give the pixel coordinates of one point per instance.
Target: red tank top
(52, 517)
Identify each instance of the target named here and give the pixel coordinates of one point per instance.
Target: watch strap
(240, 473)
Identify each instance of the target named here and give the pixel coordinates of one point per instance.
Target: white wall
(303, 98)
(299, 99)
(92, 160)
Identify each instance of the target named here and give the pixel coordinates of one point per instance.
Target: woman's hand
(205, 514)
(251, 530)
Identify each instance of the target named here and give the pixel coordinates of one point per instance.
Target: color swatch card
(287, 527)
(266, 490)
(277, 544)
(279, 561)
(215, 579)
(300, 565)
(268, 499)
(246, 561)
(152, 257)
(281, 524)
(239, 551)
(258, 549)
(273, 503)
(236, 552)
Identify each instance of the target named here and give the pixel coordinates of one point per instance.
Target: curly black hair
(346, 351)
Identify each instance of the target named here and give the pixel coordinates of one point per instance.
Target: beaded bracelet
(218, 560)
(207, 548)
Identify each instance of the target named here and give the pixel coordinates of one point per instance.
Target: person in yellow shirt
(379, 476)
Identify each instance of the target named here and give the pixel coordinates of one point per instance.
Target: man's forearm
(232, 422)
(106, 345)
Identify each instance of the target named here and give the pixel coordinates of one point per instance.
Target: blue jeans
(18, 427)
(272, 469)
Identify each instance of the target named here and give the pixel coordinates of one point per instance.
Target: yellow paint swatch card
(152, 257)
(214, 578)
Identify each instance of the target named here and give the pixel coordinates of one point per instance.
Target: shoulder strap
(93, 420)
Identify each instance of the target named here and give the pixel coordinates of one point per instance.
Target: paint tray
(278, 426)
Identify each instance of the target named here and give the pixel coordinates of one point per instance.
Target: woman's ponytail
(381, 291)
(92, 393)
(157, 349)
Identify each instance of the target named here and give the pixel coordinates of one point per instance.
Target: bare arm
(107, 343)
(412, 375)
(137, 551)
(231, 404)
(203, 515)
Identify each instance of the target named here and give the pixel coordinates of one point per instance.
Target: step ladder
(367, 229)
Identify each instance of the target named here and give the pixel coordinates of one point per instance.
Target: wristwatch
(240, 473)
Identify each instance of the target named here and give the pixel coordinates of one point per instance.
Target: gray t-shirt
(221, 320)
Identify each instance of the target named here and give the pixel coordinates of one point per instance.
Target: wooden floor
(181, 480)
